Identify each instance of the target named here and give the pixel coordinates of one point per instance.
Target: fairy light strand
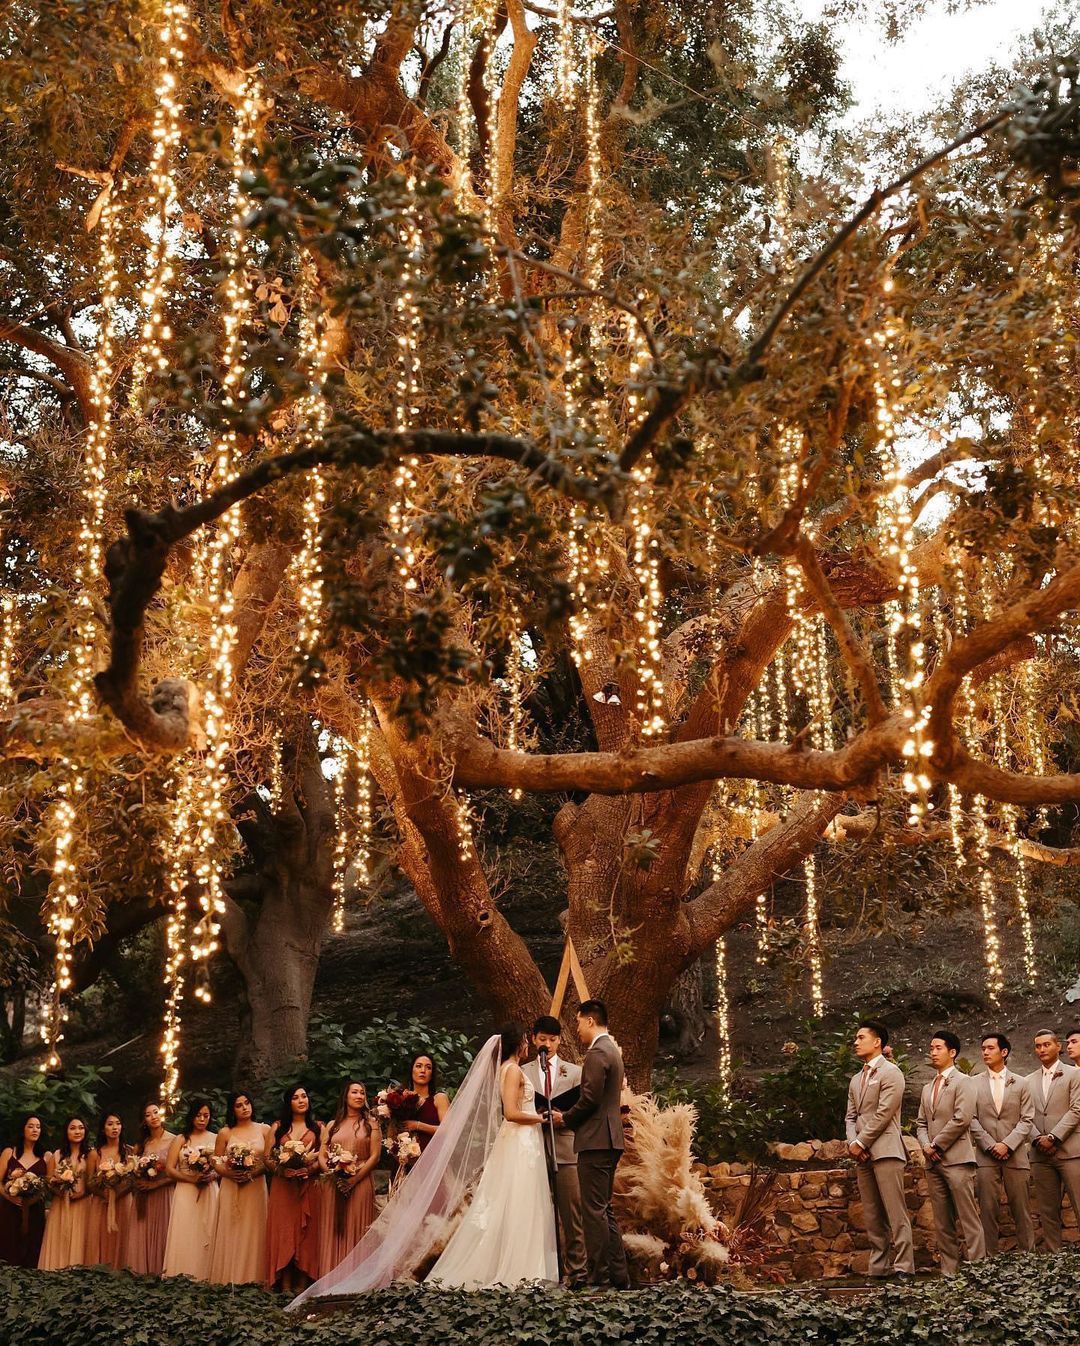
(812, 932)
(645, 556)
(165, 134)
(179, 864)
(8, 624)
(409, 323)
(63, 903)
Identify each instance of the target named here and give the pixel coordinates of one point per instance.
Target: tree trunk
(277, 914)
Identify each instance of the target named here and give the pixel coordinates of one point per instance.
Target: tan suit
(945, 1122)
(875, 1098)
(1057, 1112)
(1010, 1126)
(567, 1187)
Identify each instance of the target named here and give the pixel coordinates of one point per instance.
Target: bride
(490, 1145)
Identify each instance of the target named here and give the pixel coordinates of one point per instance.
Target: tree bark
(277, 916)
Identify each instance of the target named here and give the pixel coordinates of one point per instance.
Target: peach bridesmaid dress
(107, 1247)
(64, 1244)
(292, 1223)
(189, 1248)
(240, 1233)
(344, 1220)
(150, 1214)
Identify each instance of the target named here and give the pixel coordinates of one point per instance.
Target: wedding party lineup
(539, 672)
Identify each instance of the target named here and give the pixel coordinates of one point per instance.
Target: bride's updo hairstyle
(513, 1035)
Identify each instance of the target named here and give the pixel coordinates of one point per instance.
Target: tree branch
(73, 364)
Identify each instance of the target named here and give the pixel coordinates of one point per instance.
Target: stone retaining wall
(815, 1226)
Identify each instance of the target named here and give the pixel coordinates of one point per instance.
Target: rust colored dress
(150, 1212)
(105, 1246)
(344, 1220)
(292, 1223)
(22, 1228)
(64, 1244)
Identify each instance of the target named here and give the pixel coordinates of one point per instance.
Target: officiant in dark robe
(557, 1082)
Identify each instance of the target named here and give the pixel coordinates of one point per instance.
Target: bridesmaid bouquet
(342, 1165)
(197, 1162)
(63, 1178)
(148, 1167)
(292, 1153)
(111, 1178)
(27, 1189)
(405, 1149)
(240, 1159)
(397, 1105)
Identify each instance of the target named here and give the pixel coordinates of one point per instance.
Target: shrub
(1023, 1301)
(805, 1099)
(376, 1054)
(83, 1092)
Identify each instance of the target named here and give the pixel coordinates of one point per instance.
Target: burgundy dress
(21, 1231)
(428, 1113)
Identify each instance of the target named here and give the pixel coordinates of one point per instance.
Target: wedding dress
(476, 1153)
(508, 1233)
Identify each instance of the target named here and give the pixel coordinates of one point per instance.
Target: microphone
(542, 1055)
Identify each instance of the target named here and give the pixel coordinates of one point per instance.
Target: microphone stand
(552, 1161)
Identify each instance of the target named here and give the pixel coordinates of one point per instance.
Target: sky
(933, 56)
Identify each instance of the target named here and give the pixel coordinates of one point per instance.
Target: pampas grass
(655, 1187)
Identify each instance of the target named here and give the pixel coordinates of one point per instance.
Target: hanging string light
(594, 178)
(463, 823)
(88, 566)
(409, 322)
(179, 864)
(723, 1000)
(995, 980)
(352, 802)
(63, 903)
(344, 789)
(8, 623)
(277, 783)
(564, 64)
(812, 932)
(64, 900)
(160, 269)
(1010, 817)
(312, 418)
(907, 668)
(645, 556)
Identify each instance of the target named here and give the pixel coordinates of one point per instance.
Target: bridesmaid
(433, 1105)
(22, 1227)
(348, 1208)
(109, 1216)
(189, 1245)
(152, 1207)
(64, 1244)
(292, 1232)
(240, 1236)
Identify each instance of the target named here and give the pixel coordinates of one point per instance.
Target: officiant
(557, 1083)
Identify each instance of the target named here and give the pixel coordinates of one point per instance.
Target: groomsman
(943, 1127)
(875, 1097)
(1072, 1045)
(1003, 1122)
(1055, 1144)
(555, 1078)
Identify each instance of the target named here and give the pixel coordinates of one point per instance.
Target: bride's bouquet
(292, 1154)
(404, 1148)
(240, 1159)
(63, 1178)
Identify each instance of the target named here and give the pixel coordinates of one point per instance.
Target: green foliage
(375, 1054)
(1025, 1301)
(804, 1100)
(81, 1093)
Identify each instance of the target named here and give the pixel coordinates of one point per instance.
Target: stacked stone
(814, 1227)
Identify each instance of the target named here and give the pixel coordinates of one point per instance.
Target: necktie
(997, 1086)
(865, 1077)
(935, 1093)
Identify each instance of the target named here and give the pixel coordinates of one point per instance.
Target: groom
(596, 1121)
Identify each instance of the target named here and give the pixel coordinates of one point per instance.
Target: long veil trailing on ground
(417, 1216)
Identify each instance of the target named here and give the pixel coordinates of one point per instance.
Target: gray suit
(1010, 1127)
(596, 1121)
(567, 1187)
(1057, 1113)
(875, 1098)
(946, 1124)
